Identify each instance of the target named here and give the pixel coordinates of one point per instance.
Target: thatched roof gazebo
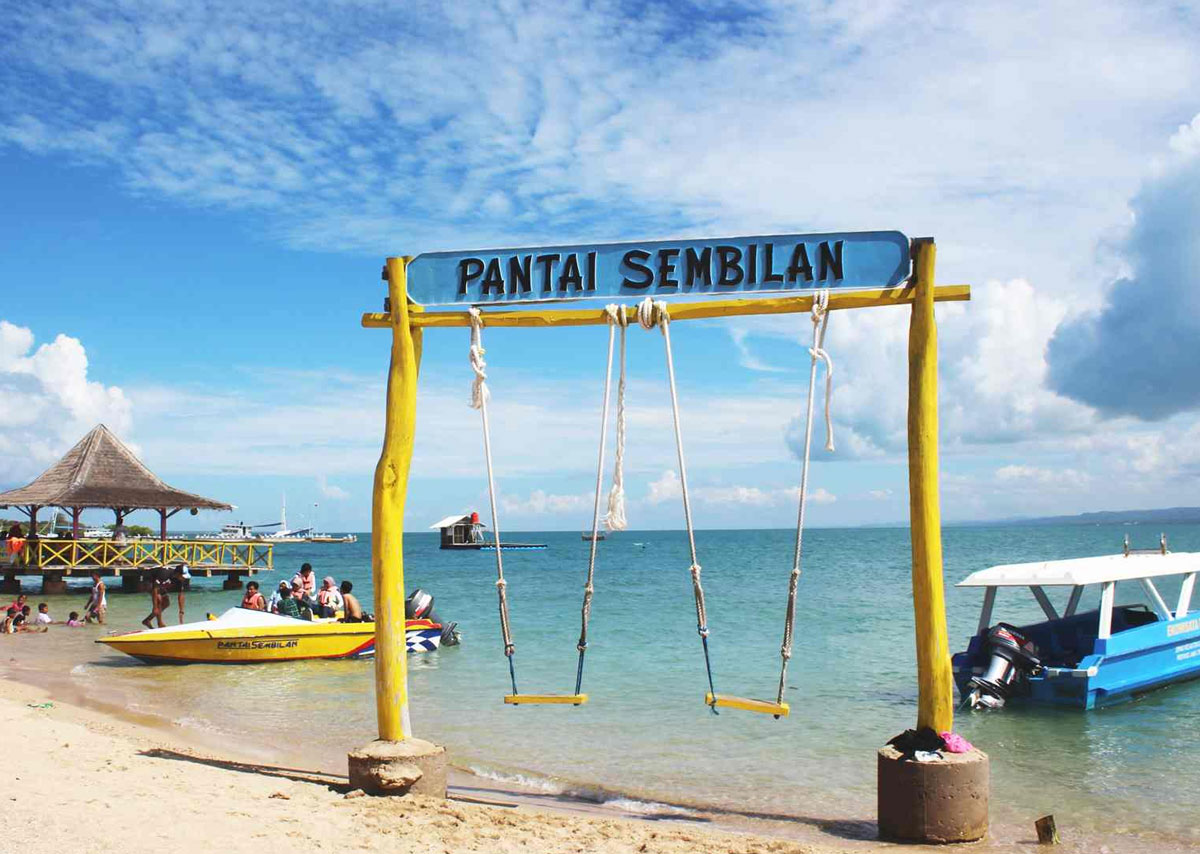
(100, 471)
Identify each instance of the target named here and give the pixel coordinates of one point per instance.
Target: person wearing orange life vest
(15, 543)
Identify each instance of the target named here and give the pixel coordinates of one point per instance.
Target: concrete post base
(53, 584)
(234, 582)
(399, 767)
(941, 801)
(10, 584)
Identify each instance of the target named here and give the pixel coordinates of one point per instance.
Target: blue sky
(199, 196)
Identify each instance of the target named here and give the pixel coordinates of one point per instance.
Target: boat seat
(765, 707)
(545, 699)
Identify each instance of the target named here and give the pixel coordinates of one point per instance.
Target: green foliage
(140, 531)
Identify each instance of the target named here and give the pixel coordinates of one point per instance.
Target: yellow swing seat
(765, 707)
(545, 699)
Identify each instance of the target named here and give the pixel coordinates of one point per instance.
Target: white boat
(284, 534)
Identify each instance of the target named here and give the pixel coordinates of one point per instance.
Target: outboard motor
(1013, 658)
(419, 606)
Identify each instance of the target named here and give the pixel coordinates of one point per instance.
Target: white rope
(615, 519)
(479, 400)
(651, 314)
(820, 321)
(479, 389)
(589, 586)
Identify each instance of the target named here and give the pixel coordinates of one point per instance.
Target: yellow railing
(55, 555)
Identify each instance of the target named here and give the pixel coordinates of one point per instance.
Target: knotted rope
(616, 316)
(820, 320)
(615, 519)
(479, 400)
(651, 314)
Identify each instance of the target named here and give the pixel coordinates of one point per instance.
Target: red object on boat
(474, 518)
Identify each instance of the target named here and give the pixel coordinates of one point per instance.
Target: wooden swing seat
(764, 707)
(545, 699)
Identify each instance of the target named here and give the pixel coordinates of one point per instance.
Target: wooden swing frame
(407, 321)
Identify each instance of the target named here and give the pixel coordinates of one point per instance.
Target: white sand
(82, 781)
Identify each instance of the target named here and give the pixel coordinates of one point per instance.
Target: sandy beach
(93, 780)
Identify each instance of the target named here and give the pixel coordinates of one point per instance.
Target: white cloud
(540, 503)
(1063, 479)
(331, 491)
(49, 402)
(668, 488)
(342, 132)
(879, 494)
(1133, 356)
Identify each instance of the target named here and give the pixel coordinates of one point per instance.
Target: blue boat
(1084, 659)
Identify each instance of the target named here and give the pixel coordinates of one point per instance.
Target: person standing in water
(179, 582)
(97, 604)
(159, 601)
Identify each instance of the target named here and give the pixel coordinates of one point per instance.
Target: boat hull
(1120, 668)
(255, 645)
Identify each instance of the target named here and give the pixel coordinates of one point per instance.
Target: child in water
(73, 620)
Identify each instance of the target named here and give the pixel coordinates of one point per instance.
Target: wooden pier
(134, 560)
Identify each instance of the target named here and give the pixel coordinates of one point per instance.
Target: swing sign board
(719, 266)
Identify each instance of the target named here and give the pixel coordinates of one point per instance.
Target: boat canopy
(1081, 571)
(453, 520)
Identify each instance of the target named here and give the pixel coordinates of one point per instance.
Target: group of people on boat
(303, 599)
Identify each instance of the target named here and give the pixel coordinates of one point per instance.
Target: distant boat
(284, 534)
(327, 538)
(600, 535)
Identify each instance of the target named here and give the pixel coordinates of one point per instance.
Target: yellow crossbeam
(549, 318)
(546, 699)
(765, 707)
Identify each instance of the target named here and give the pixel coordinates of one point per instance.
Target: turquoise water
(646, 732)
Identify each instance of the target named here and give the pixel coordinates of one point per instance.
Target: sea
(645, 736)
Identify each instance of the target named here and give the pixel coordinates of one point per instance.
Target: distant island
(1164, 516)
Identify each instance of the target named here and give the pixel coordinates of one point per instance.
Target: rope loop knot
(479, 390)
(652, 313)
(820, 319)
(616, 315)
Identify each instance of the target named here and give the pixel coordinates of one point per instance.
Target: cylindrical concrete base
(399, 767)
(232, 582)
(10, 584)
(941, 801)
(53, 584)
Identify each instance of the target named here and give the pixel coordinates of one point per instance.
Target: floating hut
(101, 472)
(465, 532)
(460, 532)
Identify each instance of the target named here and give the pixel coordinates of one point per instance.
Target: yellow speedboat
(244, 636)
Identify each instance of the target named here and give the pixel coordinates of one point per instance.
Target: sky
(199, 196)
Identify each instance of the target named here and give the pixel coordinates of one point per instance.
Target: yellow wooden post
(387, 515)
(935, 703)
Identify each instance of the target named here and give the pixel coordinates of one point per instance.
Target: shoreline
(577, 811)
(110, 775)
